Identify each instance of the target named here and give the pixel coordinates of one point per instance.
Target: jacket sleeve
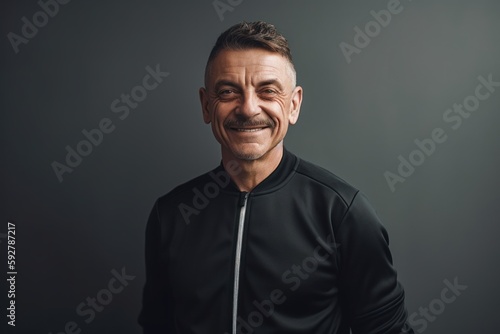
(154, 314)
(372, 297)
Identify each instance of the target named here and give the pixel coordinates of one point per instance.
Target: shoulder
(186, 190)
(323, 178)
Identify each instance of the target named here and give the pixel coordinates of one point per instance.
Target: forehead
(248, 63)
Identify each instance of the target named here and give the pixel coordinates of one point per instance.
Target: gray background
(356, 119)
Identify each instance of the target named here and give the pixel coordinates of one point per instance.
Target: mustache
(244, 122)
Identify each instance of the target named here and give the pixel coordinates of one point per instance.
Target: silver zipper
(237, 262)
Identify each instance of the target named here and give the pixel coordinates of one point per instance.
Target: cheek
(281, 114)
(220, 111)
(217, 111)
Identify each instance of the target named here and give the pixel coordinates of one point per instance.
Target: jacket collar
(276, 179)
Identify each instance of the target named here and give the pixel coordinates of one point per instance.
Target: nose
(249, 106)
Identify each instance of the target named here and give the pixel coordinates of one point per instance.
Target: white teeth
(249, 130)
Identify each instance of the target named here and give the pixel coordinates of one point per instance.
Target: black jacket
(303, 252)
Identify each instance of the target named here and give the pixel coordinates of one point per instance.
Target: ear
(295, 105)
(204, 105)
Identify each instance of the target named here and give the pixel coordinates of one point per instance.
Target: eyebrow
(221, 83)
(268, 82)
(271, 82)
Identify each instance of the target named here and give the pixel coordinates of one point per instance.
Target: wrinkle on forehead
(250, 66)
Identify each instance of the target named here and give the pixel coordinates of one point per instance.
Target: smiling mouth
(248, 129)
(244, 125)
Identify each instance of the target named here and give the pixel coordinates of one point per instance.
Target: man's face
(250, 100)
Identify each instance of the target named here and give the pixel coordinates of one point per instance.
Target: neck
(247, 174)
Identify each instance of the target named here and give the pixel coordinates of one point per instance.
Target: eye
(268, 91)
(226, 92)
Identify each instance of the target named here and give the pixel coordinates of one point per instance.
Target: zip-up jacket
(303, 252)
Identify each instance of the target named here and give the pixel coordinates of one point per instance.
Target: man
(265, 242)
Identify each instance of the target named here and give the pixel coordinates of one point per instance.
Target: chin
(254, 152)
(251, 154)
(248, 156)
